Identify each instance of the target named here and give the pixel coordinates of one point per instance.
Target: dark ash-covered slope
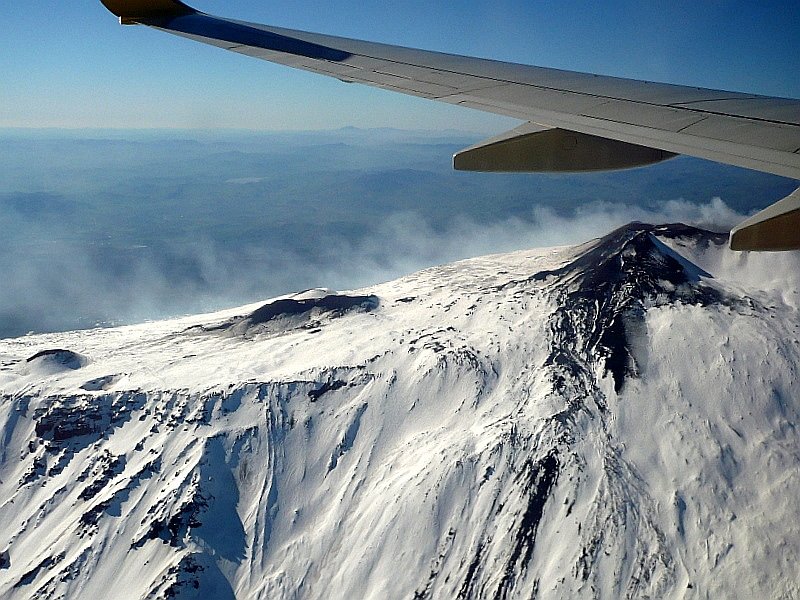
(603, 294)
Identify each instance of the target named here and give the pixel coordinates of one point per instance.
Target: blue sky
(69, 64)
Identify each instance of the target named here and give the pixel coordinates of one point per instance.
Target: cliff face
(613, 420)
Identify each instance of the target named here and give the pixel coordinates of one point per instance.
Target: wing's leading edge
(588, 122)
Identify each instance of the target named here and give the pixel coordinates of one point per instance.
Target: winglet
(131, 12)
(774, 229)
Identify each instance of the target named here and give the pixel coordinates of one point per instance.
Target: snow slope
(612, 420)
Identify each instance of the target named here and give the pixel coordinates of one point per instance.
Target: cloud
(406, 241)
(63, 285)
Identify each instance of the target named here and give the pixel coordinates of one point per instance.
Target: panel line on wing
(690, 124)
(677, 105)
(293, 43)
(632, 124)
(683, 104)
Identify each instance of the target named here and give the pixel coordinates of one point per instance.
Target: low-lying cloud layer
(63, 285)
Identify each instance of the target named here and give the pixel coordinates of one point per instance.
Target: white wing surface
(576, 121)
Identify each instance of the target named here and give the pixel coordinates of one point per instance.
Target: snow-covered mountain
(613, 420)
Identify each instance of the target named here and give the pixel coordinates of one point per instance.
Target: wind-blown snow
(612, 420)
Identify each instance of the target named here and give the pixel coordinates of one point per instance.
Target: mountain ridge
(611, 420)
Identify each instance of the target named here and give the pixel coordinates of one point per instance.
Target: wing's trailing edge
(588, 122)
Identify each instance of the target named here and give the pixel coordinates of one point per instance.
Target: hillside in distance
(610, 420)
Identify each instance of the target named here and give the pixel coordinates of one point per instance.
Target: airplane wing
(574, 121)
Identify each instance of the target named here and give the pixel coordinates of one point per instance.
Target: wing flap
(131, 12)
(774, 229)
(533, 148)
(664, 118)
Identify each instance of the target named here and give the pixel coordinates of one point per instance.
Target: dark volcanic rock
(328, 386)
(66, 419)
(196, 576)
(47, 564)
(174, 528)
(62, 359)
(288, 314)
(604, 293)
(329, 304)
(100, 383)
